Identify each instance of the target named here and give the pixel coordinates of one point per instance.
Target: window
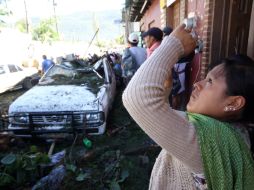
(12, 68)
(2, 71)
(19, 68)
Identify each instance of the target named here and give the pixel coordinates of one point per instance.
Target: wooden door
(173, 14)
(230, 28)
(176, 14)
(250, 50)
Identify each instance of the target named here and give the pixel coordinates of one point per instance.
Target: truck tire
(27, 83)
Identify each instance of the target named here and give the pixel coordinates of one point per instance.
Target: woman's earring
(226, 109)
(229, 108)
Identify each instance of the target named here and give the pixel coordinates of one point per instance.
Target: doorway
(250, 51)
(231, 23)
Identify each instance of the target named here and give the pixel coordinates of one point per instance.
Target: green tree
(120, 40)
(100, 44)
(45, 32)
(21, 25)
(4, 12)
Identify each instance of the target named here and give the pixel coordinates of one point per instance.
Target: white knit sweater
(146, 99)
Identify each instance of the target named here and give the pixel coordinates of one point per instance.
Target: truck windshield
(63, 75)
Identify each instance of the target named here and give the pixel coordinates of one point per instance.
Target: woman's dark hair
(239, 73)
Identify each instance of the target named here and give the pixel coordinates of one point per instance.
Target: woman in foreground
(205, 147)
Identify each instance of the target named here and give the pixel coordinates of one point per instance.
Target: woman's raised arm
(146, 99)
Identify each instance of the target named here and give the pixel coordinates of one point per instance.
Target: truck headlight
(97, 117)
(21, 118)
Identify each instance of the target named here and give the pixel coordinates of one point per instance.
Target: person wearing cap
(153, 38)
(138, 53)
(133, 57)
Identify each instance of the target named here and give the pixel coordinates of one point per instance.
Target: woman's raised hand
(184, 35)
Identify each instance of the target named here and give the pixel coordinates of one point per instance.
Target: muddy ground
(122, 158)
(7, 98)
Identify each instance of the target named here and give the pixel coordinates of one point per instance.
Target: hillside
(79, 26)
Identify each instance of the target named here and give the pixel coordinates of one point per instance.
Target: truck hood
(55, 98)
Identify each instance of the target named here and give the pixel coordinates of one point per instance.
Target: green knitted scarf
(227, 160)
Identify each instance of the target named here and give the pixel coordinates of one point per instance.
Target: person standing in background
(153, 38)
(46, 64)
(178, 96)
(138, 53)
(133, 57)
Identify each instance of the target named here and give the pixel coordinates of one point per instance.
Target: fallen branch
(114, 131)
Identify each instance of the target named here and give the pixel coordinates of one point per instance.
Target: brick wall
(175, 13)
(152, 17)
(207, 36)
(163, 17)
(182, 10)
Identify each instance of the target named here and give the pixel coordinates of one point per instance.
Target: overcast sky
(44, 8)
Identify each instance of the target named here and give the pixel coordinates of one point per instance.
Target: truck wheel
(27, 83)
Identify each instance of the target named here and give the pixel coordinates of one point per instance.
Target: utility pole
(5, 4)
(54, 6)
(27, 27)
(95, 26)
